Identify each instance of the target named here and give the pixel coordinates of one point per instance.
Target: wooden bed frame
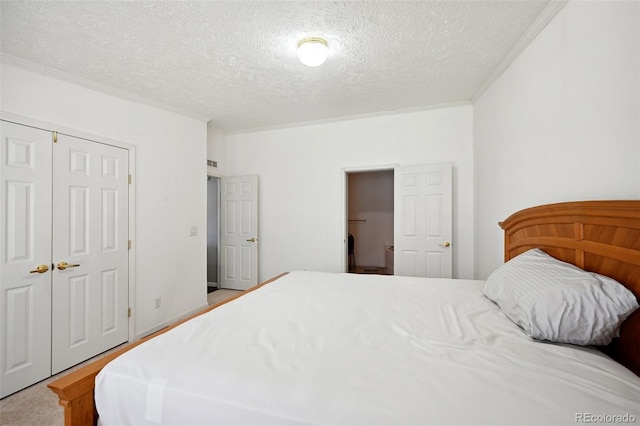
(75, 390)
(599, 236)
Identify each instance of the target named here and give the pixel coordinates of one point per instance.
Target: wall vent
(212, 163)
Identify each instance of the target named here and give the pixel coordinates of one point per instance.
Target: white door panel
(423, 225)
(90, 300)
(239, 236)
(25, 235)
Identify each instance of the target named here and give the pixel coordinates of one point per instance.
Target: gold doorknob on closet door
(252, 240)
(40, 269)
(64, 265)
(445, 244)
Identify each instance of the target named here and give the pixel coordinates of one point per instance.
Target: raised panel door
(423, 221)
(25, 244)
(90, 294)
(239, 236)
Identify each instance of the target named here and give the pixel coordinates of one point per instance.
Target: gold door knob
(445, 244)
(64, 265)
(252, 240)
(40, 269)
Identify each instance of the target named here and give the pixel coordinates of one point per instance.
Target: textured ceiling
(234, 62)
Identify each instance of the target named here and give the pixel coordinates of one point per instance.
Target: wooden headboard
(598, 236)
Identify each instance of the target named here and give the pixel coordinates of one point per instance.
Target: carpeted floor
(37, 405)
(220, 295)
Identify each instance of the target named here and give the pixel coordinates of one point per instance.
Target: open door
(239, 232)
(423, 221)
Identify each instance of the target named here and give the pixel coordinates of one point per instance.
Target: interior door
(25, 256)
(239, 232)
(90, 250)
(423, 220)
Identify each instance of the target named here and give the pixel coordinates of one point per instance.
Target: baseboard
(169, 322)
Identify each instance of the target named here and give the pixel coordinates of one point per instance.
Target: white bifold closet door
(90, 229)
(25, 247)
(64, 290)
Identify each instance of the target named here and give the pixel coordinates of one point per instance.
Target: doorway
(419, 207)
(213, 232)
(370, 221)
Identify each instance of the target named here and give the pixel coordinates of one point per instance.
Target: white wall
(170, 184)
(215, 151)
(301, 178)
(562, 122)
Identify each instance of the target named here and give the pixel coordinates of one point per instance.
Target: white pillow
(559, 302)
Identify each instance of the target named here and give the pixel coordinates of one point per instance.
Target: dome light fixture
(312, 51)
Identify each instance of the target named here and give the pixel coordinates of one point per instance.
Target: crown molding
(92, 85)
(549, 12)
(352, 117)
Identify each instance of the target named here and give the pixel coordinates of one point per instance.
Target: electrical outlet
(158, 302)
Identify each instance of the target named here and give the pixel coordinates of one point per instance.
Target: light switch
(194, 231)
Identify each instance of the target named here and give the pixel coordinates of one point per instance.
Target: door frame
(219, 177)
(345, 171)
(43, 125)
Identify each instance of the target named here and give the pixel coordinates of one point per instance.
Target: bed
(327, 348)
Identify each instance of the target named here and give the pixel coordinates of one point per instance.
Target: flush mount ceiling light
(312, 51)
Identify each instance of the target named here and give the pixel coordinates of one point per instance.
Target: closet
(370, 220)
(64, 260)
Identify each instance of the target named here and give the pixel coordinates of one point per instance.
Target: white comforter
(323, 348)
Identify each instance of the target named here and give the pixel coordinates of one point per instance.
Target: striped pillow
(559, 302)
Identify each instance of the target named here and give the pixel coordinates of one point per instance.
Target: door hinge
(129, 179)
(129, 313)
(55, 137)
(129, 244)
